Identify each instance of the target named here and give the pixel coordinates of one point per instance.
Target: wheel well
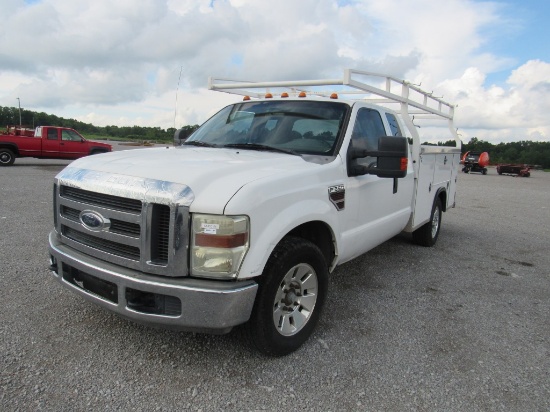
(319, 234)
(11, 147)
(442, 195)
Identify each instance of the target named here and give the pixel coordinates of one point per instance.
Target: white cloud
(518, 112)
(119, 62)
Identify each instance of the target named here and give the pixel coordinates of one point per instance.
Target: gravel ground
(463, 326)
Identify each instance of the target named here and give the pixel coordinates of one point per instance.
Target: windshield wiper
(199, 143)
(255, 146)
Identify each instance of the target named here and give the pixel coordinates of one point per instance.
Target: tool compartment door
(423, 199)
(442, 171)
(437, 169)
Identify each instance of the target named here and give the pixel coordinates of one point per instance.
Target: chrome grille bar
(95, 242)
(99, 199)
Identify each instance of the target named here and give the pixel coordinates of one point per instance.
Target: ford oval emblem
(94, 221)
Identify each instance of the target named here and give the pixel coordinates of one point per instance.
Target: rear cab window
(394, 124)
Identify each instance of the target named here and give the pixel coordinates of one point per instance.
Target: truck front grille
(115, 248)
(99, 199)
(160, 233)
(138, 234)
(117, 226)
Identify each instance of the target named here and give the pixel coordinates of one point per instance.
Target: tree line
(10, 116)
(523, 151)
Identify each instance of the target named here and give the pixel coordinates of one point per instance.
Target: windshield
(303, 127)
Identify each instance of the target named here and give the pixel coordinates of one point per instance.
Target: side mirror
(392, 158)
(181, 136)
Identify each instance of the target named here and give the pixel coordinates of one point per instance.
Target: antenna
(176, 108)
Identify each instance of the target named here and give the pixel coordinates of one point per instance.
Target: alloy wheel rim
(435, 222)
(295, 299)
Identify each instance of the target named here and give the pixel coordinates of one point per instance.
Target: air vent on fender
(337, 195)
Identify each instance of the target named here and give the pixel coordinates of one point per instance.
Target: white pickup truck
(243, 221)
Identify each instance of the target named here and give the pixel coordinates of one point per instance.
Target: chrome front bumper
(198, 305)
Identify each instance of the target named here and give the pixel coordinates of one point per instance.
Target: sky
(147, 62)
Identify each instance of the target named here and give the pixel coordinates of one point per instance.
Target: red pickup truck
(46, 142)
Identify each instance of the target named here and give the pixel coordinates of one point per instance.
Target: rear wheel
(290, 297)
(6, 157)
(427, 234)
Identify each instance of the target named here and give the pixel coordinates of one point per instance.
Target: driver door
(72, 145)
(380, 207)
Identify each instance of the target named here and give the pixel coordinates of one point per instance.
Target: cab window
(394, 125)
(367, 130)
(70, 135)
(52, 134)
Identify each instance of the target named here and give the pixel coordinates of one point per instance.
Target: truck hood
(213, 175)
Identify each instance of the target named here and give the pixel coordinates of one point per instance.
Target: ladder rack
(376, 88)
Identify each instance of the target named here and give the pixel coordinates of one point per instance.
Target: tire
(484, 171)
(6, 157)
(427, 234)
(292, 292)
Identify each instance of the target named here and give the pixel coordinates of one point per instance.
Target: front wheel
(427, 234)
(292, 292)
(6, 157)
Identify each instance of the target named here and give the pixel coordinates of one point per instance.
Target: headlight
(219, 244)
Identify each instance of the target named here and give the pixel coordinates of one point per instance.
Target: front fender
(268, 229)
(279, 203)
